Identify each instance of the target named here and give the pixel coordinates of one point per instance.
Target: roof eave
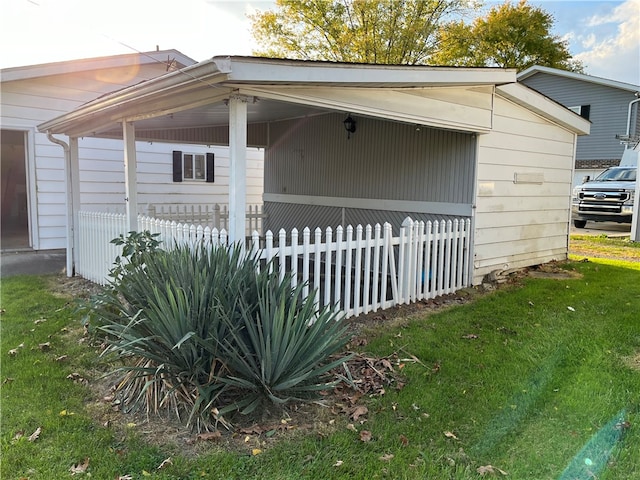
(119, 105)
(545, 107)
(577, 76)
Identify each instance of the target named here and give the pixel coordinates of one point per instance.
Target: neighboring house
(34, 185)
(430, 142)
(605, 103)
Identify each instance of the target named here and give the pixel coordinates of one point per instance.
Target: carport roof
(195, 96)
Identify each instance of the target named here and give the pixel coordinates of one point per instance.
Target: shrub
(201, 330)
(278, 350)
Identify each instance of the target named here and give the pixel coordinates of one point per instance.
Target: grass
(604, 246)
(516, 379)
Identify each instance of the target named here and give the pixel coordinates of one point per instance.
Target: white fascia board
(577, 76)
(544, 107)
(128, 101)
(271, 71)
(98, 63)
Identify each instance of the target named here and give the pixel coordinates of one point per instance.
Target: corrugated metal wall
(381, 160)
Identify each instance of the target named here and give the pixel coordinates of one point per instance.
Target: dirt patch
(632, 361)
(553, 270)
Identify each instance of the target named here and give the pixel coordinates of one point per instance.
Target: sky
(604, 35)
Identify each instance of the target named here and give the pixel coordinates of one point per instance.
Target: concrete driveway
(32, 263)
(610, 229)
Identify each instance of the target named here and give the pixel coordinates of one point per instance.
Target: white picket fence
(355, 270)
(212, 215)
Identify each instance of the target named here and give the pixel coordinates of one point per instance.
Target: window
(192, 167)
(582, 110)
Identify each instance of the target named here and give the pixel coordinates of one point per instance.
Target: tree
(510, 36)
(362, 31)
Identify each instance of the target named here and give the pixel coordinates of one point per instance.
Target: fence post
(216, 216)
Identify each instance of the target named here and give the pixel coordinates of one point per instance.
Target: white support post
(238, 167)
(635, 218)
(130, 166)
(73, 235)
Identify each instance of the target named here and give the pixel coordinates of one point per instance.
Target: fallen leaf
(8, 380)
(490, 469)
(40, 320)
(338, 463)
(470, 336)
(209, 436)
(35, 435)
(145, 473)
(80, 467)
(61, 358)
(19, 434)
(365, 436)
(386, 457)
(571, 309)
(65, 413)
(404, 440)
(358, 412)
(351, 427)
(124, 477)
(165, 462)
(450, 435)
(13, 352)
(44, 346)
(256, 451)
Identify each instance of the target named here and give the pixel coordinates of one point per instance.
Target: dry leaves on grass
(35, 435)
(365, 436)
(80, 467)
(490, 469)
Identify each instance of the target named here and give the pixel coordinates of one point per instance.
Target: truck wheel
(579, 223)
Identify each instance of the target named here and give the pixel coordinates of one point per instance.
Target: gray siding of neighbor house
(404, 164)
(608, 114)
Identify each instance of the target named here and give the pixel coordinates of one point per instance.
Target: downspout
(70, 226)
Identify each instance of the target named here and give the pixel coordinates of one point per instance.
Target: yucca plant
(162, 317)
(199, 331)
(282, 347)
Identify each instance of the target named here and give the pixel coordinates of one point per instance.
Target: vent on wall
(536, 178)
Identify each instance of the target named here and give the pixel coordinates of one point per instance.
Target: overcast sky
(604, 35)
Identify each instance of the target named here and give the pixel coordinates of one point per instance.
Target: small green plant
(134, 245)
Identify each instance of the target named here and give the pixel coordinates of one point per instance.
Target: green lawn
(539, 380)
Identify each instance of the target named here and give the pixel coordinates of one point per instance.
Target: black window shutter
(584, 111)
(210, 173)
(177, 166)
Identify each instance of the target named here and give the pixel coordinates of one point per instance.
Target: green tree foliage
(361, 31)
(510, 36)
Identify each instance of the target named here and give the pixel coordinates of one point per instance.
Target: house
(605, 103)
(34, 178)
(354, 144)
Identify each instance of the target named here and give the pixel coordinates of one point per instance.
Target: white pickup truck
(610, 196)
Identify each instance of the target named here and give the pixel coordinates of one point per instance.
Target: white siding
(102, 176)
(29, 102)
(522, 224)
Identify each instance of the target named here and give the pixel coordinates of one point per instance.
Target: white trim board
(436, 208)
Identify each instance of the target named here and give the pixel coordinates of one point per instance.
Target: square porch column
(238, 167)
(73, 192)
(130, 179)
